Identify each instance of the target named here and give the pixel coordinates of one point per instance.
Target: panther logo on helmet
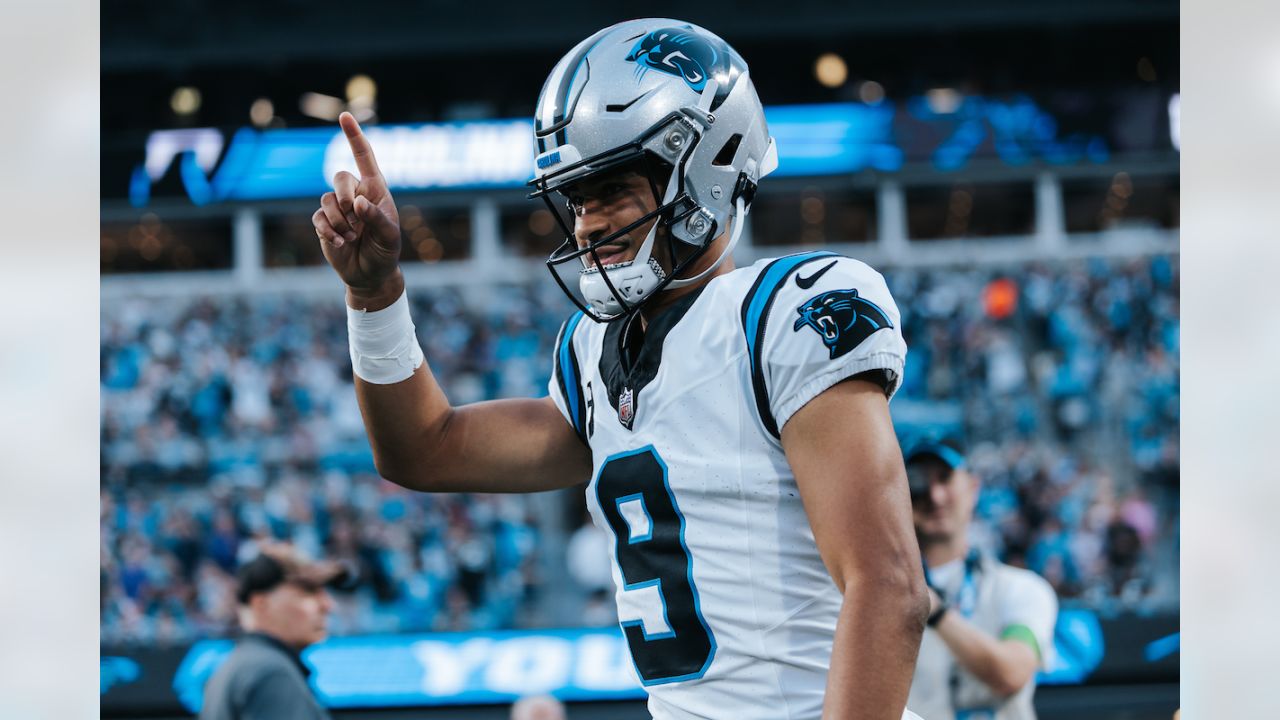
(684, 54)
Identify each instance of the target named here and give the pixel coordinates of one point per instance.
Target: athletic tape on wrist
(384, 346)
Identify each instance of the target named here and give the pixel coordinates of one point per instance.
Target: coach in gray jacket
(284, 607)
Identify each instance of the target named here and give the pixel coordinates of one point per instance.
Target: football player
(732, 425)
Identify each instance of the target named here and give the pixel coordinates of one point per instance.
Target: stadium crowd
(226, 421)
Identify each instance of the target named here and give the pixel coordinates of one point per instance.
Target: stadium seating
(226, 421)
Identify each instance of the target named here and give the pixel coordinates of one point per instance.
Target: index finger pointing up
(360, 147)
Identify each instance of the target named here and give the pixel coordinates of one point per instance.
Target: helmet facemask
(678, 102)
(678, 232)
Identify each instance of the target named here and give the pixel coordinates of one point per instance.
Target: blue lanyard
(966, 601)
(967, 598)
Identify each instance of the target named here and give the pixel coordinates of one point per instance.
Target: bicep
(421, 442)
(1029, 613)
(1022, 658)
(848, 467)
(522, 445)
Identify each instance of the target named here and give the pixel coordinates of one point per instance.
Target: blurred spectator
(990, 625)
(587, 559)
(229, 421)
(414, 552)
(538, 707)
(284, 608)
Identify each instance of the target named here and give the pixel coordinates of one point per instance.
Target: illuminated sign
(582, 665)
(447, 668)
(445, 155)
(812, 140)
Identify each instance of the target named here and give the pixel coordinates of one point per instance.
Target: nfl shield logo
(626, 407)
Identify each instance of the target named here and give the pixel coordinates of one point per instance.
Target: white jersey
(726, 605)
(1004, 602)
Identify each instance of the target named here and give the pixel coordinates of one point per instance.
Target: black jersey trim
(755, 319)
(619, 370)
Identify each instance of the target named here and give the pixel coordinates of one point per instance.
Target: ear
(253, 612)
(258, 603)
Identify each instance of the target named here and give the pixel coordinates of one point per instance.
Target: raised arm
(847, 464)
(419, 440)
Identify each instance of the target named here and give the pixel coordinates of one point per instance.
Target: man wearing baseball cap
(284, 607)
(990, 625)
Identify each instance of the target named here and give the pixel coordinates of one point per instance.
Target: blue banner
(446, 669)
(274, 164)
(813, 140)
(575, 665)
(500, 667)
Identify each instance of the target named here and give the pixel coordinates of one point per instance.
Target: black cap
(279, 564)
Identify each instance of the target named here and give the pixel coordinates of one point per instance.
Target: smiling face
(607, 203)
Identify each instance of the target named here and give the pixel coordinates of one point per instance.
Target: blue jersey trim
(567, 376)
(755, 313)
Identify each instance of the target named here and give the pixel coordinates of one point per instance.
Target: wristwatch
(936, 616)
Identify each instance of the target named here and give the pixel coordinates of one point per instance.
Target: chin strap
(739, 220)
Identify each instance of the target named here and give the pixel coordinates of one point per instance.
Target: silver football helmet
(677, 100)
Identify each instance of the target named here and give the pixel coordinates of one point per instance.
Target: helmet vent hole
(725, 156)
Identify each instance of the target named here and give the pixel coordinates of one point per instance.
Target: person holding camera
(990, 625)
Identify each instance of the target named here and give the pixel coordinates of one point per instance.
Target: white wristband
(384, 346)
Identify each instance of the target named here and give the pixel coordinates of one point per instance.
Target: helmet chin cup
(619, 288)
(632, 283)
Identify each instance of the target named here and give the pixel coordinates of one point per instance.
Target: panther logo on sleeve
(842, 319)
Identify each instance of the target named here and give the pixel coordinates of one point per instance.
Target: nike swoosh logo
(806, 283)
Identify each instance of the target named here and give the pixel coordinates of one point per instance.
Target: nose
(590, 224)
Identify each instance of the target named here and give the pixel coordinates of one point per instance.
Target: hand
(359, 227)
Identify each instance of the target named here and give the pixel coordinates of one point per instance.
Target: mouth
(611, 254)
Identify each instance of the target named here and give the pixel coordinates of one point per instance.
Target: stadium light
(943, 101)
(261, 112)
(185, 101)
(362, 94)
(361, 88)
(871, 92)
(321, 107)
(830, 70)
